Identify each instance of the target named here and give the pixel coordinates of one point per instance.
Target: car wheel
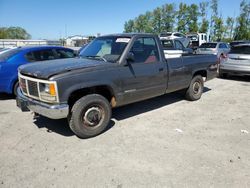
(195, 88)
(16, 85)
(90, 116)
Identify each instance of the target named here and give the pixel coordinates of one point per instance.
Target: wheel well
(105, 91)
(203, 73)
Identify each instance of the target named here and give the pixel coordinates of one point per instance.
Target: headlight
(48, 92)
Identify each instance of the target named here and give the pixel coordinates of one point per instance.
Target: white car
(176, 35)
(220, 49)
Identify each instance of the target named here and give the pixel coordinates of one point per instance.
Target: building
(76, 41)
(5, 43)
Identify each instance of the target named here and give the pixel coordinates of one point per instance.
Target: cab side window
(145, 50)
(178, 45)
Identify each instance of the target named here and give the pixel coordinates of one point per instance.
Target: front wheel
(195, 88)
(90, 115)
(16, 85)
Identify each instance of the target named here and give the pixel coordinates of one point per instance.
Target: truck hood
(46, 69)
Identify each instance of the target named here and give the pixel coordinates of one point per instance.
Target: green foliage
(168, 17)
(203, 13)
(193, 14)
(219, 29)
(214, 19)
(229, 28)
(129, 26)
(157, 20)
(193, 18)
(13, 33)
(243, 22)
(182, 18)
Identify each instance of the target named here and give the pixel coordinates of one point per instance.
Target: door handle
(161, 69)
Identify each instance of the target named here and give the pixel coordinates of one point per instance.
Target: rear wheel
(195, 88)
(90, 116)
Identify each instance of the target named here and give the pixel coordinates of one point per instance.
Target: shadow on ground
(149, 105)
(61, 126)
(238, 78)
(4, 96)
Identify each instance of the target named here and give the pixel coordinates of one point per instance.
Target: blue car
(12, 59)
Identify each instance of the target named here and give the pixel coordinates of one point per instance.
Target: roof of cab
(129, 35)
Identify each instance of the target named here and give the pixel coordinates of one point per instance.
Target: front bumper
(234, 69)
(53, 111)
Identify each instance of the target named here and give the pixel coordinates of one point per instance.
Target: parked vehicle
(173, 48)
(113, 70)
(220, 49)
(10, 60)
(234, 43)
(197, 39)
(176, 35)
(237, 62)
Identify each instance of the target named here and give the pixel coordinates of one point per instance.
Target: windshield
(105, 48)
(208, 45)
(8, 53)
(240, 50)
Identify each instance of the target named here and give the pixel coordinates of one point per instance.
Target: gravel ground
(162, 142)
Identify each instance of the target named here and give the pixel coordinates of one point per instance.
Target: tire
(90, 116)
(195, 88)
(16, 85)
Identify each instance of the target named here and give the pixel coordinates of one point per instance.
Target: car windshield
(8, 53)
(105, 48)
(240, 49)
(208, 45)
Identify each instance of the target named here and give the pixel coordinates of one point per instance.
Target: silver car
(220, 49)
(237, 62)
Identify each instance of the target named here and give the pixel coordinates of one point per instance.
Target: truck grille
(33, 88)
(22, 83)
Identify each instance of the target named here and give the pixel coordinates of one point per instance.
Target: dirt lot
(162, 142)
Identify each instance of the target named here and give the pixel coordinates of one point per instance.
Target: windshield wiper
(95, 57)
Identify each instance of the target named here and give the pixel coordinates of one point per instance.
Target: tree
(142, 23)
(157, 20)
(129, 26)
(193, 14)
(203, 13)
(168, 17)
(214, 17)
(14, 33)
(182, 18)
(229, 27)
(218, 28)
(243, 22)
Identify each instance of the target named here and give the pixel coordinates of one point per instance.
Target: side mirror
(130, 57)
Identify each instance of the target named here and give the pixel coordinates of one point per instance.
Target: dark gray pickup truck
(112, 71)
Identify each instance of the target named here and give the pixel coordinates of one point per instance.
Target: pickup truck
(112, 71)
